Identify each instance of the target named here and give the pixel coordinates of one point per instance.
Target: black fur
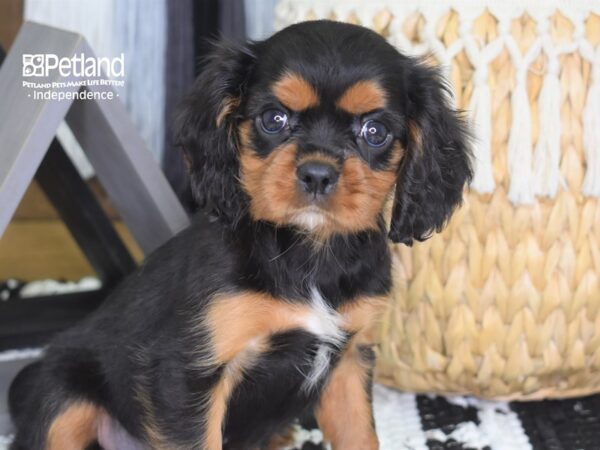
(256, 408)
(431, 177)
(146, 332)
(435, 170)
(211, 149)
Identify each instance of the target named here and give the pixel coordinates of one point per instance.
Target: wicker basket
(505, 303)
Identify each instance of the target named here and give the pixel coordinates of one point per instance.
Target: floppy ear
(437, 163)
(205, 126)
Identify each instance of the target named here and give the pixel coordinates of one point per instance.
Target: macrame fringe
(481, 116)
(546, 164)
(591, 134)
(530, 171)
(519, 147)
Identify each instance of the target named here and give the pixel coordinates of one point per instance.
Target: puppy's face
(320, 153)
(314, 127)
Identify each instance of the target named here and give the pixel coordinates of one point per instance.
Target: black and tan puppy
(256, 314)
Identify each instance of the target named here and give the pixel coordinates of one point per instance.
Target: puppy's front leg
(240, 327)
(345, 414)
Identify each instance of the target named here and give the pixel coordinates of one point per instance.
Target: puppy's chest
(331, 330)
(287, 351)
(250, 328)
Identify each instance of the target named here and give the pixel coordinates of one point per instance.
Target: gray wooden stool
(124, 166)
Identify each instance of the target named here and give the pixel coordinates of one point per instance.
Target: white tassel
(519, 146)
(480, 108)
(546, 164)
(591, 133)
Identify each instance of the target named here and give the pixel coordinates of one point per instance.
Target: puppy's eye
(273, 121)
(375, 133)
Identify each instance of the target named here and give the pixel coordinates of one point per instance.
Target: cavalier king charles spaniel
(259, 313)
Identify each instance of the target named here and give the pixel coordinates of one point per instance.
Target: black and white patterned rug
(428, 422)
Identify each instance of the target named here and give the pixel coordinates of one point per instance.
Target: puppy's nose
(317, 178)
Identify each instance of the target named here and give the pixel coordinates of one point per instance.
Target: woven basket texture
(505, 302)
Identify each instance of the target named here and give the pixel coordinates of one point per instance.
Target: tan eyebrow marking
(362, 97)
(294, 92)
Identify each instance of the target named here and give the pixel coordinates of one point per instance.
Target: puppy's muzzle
(317, 178)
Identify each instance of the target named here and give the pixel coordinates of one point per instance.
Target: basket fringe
(519, 146)
(546, 165)
(591, 132)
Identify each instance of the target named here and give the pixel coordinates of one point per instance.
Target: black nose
(317, 178)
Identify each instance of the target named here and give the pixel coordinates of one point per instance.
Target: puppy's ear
(437, 163)
(205, 126)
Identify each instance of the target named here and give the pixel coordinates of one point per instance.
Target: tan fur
(416, 136)
(362, 97)
(240, 325)
(283, 440)
(360, 315)
(360, 194)
(295, 93)
(219, 398)
(318, 157)
(154, 437)
(272, 185)
(345, 414)
(241, 321)
(228, 106)
(153, 434)
(75, 428)
(271, 182)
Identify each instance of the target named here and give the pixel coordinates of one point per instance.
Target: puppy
(257, 314)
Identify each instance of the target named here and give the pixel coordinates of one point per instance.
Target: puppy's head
(316, 126)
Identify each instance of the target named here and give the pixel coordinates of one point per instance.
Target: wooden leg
(345, 414)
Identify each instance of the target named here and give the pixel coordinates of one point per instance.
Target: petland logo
(48, 77)
(42, 65)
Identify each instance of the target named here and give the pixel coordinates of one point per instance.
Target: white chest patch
(326, 324)
(309, 220)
